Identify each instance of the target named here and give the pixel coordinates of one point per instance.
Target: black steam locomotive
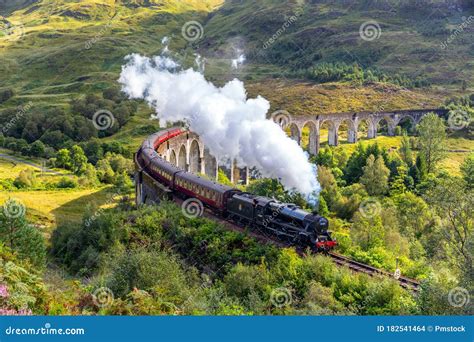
(286, 221)
(283, 220)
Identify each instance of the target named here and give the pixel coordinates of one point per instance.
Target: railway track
(355, 266)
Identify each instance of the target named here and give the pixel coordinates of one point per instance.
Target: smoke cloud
(230, 125)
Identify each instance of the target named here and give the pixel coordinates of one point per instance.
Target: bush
(152, 271)
(24, 293)
(6, 94)
(334, 72)
(67, 183)
(23, 238)
(80, 248)
(37, 149)
(26, 179)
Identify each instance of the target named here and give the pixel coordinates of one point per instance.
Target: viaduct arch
(189, 153)
(295, 125)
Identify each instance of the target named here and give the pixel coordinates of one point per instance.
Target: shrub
(153, 271)
(67, 183)
(26, 179)
(6, 94)
(23, 292)
(23, 238)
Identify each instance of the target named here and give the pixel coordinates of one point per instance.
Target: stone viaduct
(372, 121)
(188, 152)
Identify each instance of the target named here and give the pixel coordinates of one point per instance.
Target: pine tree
(401, 182)
(21, 237)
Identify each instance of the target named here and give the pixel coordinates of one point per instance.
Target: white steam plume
(237, 62)
(229, 124)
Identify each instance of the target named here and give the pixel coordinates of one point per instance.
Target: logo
(103, 119)
(103, 296)
(370, 30)
(281, 297)
(458, 119)
(458, 297)
(370, 207)
(192, 208)
(192, 31)
(14, 208)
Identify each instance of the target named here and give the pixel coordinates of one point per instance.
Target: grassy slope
(328, 31)
(50, 63)
(310, 99)
(49, 207)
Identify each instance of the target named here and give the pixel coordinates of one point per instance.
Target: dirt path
(21, 161)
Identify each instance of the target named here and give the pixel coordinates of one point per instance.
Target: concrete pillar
(333, 139)
(351, 135)
(352, 131)
(318, 142)
(182, 160)
(313, 140)
(317, 136)
(138, 189)
(237, 174)
(391, 124)
(295, 133)
(188, 151)
(371, 129)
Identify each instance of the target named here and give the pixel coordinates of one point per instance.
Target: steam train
(285, 221)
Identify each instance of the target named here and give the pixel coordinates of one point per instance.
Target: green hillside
(56, 50)
(59, 49)
(296, 35)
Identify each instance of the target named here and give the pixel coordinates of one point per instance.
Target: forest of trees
(42, 132)
(334, 72)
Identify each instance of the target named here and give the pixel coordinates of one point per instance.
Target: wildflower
(4, 291)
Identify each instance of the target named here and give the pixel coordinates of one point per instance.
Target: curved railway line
(232, 224)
